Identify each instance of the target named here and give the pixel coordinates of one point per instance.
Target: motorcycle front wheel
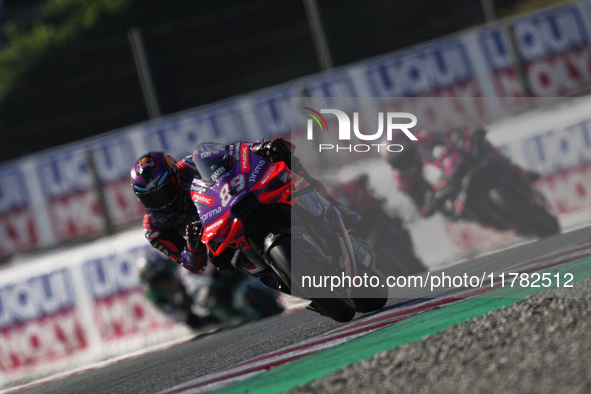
(336, 307)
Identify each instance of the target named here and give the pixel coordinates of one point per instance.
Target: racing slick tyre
(337, 308)
(370, 298)
(374, 297)
(530, 218)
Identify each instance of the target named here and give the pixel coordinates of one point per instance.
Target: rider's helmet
(406, 159)
(155, 181)
(156, 269)
(430, 145)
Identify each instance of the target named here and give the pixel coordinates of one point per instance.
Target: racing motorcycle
(279, 229)
(203, 300)
(483, 186)
(385, 233)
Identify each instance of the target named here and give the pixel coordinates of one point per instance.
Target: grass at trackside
(316, 366)
(526, 6)
(520, 8)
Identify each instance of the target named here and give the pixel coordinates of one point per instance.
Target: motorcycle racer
(163, 286)
(171, 221)
(163, 186)
(451, 153)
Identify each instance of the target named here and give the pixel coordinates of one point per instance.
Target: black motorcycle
(491, 191)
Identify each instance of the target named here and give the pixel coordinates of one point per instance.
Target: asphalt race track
(161, 370)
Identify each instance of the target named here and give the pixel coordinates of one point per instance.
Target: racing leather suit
(166, 230)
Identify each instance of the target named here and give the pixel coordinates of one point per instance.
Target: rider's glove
(194, 260)
(194, 257)
(274, 150)
(193, 233)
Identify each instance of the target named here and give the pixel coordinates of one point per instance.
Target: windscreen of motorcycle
(212, 160)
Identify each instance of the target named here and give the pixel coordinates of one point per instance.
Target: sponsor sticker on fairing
(211, 229)
(244, 158)
(255, 173)
(199, 182)
(202, 199)
(237, 197)
(198, 189)
(221, 178)
(267, 175)
(214, 225)
(236, 151)
(219, 171)
(210, 214)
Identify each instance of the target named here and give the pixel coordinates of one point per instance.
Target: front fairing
(236, 173)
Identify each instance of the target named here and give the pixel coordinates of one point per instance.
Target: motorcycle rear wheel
(379, 294)
(337, 308)
(531, 219)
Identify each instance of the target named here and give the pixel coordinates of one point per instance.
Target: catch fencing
(50, 198)
(85, 304)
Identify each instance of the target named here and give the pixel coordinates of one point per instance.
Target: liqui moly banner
(556, 50)
(499, 68)
(39, 322)
(77, 306)
(113, 157)
(119, 306)
(66, 183)
(18, 226)
(441, 68)
(54, 200)
(178, 135)
(269, 111)
(554, 47)
(556, 143)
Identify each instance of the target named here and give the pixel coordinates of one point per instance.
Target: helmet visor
(161, 197)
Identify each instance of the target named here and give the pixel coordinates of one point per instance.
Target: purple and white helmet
(154, 179)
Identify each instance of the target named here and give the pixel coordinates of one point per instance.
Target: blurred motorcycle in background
(206, 301)
(475, 182)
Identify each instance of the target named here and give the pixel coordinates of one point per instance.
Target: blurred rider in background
(451, 153)
(208, 300)
(164, 288)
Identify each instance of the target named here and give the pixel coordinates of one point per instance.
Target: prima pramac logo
(345, 129)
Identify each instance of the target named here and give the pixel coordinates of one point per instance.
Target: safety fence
(50, 198)
(85, 304)
(76, 307)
